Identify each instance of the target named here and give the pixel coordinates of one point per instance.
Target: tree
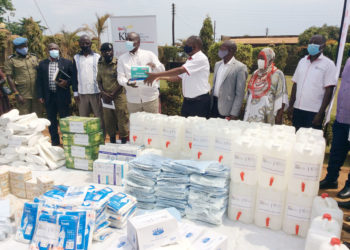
(5, 5)
(213, 54)
(69, 42)
(99, 28)
(17, 28)
(329, 32)
(206, 34)
(32, 31)
(281, 53)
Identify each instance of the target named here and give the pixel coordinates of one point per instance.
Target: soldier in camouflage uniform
(112, 91)
(21, 69)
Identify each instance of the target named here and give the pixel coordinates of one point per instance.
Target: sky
(233, 17)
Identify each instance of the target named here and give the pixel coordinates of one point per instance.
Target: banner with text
(145, 26)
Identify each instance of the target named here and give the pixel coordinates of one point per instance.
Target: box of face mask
(32, 189)
(139, 73)
(152, 230)
(78, 163)
(120, 152)
(78, 124)
(211, 240)
(83, 139)
(109, 172)
(84, 152)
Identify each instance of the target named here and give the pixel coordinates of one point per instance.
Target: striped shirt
(53, 66)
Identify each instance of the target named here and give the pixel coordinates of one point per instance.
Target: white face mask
(261, 64)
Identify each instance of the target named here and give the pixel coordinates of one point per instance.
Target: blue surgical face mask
(222, 53)
(188, 49)
(313, 49)
(22, 51)
(129, 45)
(54, 53)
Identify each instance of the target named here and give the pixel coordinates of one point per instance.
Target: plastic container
(203, 141)
(333, 244)
(307, 134)
(307, 161)
(297, 214)
(187, 143)
(172, 135)
(324, 204)
(137, 128)
(246, 155)
(322, 230)
(275, 164)
(241, 206)
(269, 208)
(153, 125)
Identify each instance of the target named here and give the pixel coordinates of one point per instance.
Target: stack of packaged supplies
(120, 207)
(142, 178)
(81, 139)
(122, 152)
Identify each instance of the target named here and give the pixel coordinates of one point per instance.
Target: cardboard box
(120, 152)
(83, 139)
(109, 172)
(139, 72)
(32, 189)
(20, 174)
(77, 124)
(45, 183)
(21, 193)
(84, 152)
(152, 230)
(4, 181)
(211, 240)
(78, 163)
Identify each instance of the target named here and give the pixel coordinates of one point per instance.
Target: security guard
(112, 93)
(21, 69)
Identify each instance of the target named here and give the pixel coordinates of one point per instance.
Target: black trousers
(55, 107)
(303, 119)
(214, 112)
(198, 106)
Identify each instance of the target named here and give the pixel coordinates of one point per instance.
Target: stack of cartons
(45, 183)
(32, 189)
(81, 139)
(18, 178)
(4, 181)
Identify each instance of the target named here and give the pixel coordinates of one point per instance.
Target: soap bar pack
(85, 152)
(4, 181)
(45, 183)
(77, 124)
(78, 163)
(83, 139)
(32, 189)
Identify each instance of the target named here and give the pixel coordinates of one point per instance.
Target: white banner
(340, 56)
(145, 26)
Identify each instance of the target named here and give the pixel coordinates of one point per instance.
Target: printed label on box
(76, 127)
(273, 165)
(77, 151)
(270, 207)
(244, 161)
(295, 212)
(81, 164)
(81, 139)
(241, 202)
(307, 171)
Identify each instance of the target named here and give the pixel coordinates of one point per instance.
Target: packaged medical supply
(211, 240)
(26, 229)
(109, 172)
(78, 124)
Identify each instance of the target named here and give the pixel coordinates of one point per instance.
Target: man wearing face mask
(114, 94)
(314, 81)
(84, 83)
(194, 75)
(229, 81)
(138, 98)
(20, 69)
(53, 88)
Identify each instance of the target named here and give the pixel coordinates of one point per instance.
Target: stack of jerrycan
(203, 140)
(322, 230)
(303, 183)
(187, 142)
(137, 131)
(153, 126)
(333, 244)
(172, 135)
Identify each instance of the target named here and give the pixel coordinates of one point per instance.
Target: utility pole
(214, 29)
(173, 24)
(267, 32)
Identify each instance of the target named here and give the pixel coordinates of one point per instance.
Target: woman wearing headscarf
(267, 95)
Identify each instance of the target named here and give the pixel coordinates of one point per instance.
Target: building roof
(261, 40)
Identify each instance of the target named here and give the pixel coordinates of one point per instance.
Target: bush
(281, 56)
(168, 54)
(171, 99)
(256, 51)
(213, 54)
(245, 54)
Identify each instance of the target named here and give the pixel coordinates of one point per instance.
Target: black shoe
(327, 184)
(347, 244)
(112, 139)
(344, 204)
(344, 193)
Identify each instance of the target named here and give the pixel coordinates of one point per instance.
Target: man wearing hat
(116, 115)
(20, 69)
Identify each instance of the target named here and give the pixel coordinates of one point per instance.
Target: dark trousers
(303, 119)
(214, 112)
(53, 107)
(339, 151)
(198, 106)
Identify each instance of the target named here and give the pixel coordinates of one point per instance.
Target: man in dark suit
(55, 93)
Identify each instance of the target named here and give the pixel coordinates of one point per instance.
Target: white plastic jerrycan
(246, 156)
(325, 204)
(297, 214)
(187, 143)
(241, 206)
(307, 161)
(275, 164)
(153, 125)
(269, 208)
(333, 244)
(306, 134)
(322, 230)
(203, 141)
(137, 128)
(172, 135)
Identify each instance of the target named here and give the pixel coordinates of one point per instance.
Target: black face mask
(86, 49)
(188, 49)
(108, 59)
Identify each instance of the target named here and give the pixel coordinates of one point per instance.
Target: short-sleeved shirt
(107, 75)
(23, 71)
(312, 78)
(195, 81)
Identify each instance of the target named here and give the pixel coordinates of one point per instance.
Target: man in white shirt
(314, 81)
(84, 83)
(194, 75)
(143, 98)
(229, 83)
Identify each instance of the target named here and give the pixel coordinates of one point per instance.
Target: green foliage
(171, 99)
(168, 54)
(295, 53)
(329, 32)
(5, 5)
(207, 34)
(213, 54)
(17, 28)
(245, 54)
(281, 53)
(34, 35)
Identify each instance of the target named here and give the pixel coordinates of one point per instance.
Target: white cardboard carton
(109, 172)
(211, 240)
(153, 230)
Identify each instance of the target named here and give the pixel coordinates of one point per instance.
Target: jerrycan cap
(324, 195)
(327, 216)
(335, 241)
